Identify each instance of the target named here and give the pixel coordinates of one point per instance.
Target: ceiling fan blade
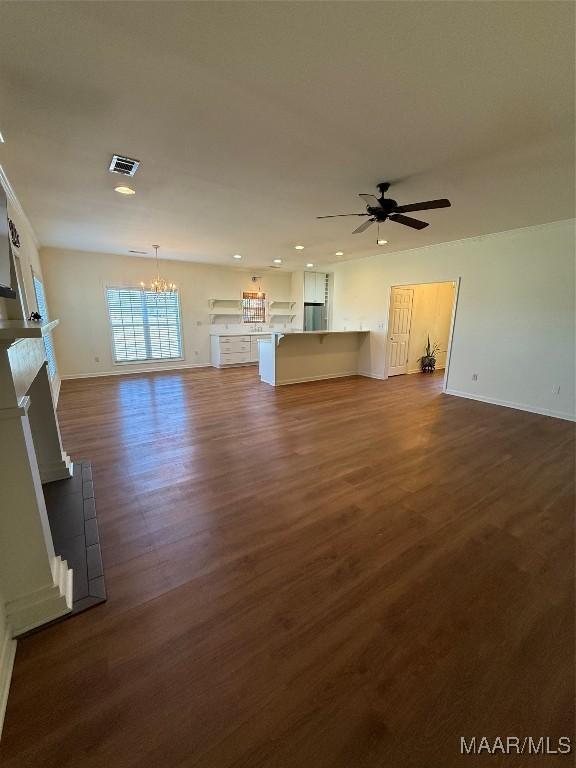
(428, 205)
(408, 221)
(371, 201)
(336, 215)
(363, 226)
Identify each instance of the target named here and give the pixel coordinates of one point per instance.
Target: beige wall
(76, 282)
(431, 316)
(514, 322)
(29, 258)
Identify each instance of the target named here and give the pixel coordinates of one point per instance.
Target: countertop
(317, 333)
(282, 333)
(242, 333)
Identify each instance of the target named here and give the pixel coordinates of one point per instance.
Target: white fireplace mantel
(11, 330)
(35, 584)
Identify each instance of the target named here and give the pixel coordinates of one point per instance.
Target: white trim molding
(369, 375)
(7, 654)
(517, 406)
(46, 604)
(321, 377)
(127, 372)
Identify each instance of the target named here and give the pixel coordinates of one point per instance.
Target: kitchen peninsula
(295, 356)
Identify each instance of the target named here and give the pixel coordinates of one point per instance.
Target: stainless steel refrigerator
(315, 317)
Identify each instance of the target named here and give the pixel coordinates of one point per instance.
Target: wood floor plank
(334, 574)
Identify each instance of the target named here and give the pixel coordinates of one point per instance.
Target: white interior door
(399, 324)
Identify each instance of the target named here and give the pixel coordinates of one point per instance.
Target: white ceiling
(250, 119)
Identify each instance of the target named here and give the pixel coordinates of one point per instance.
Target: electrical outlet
(96, 359)
(474, 377)
(556, 389)
(196, 353)
(198, 322)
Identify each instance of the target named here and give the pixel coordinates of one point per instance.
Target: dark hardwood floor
(350, 573)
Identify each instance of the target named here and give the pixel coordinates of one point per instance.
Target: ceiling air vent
(124, 165)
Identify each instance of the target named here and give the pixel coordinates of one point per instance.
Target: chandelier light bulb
(159, 284)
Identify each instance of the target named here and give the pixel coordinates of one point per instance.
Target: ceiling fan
(384, 208)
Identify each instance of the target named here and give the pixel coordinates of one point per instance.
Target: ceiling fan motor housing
(387, 206)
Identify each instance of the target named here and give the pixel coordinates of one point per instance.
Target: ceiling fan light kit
(381, 209)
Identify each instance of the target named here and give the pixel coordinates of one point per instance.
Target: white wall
(431, 316)
(514, 323)
(297, 296)
(75, 282)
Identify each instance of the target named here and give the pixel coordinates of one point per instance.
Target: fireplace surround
(36, 583)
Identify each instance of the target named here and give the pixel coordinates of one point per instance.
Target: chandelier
(159, 285)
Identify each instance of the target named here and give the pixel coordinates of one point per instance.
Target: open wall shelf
(228, 305)
(225, 308)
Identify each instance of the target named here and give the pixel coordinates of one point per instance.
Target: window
(145, 325)
(20, 281)
(253, 307)
(43, 310)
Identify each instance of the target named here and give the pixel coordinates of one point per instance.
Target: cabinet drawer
(234, 346)
(233, 358)
(230, 339)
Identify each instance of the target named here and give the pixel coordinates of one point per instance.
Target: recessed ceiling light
(237, 256)
(277, 261)
(309, 266)
(124, 190)
(299, 247)
(339, 253)
(381, 242)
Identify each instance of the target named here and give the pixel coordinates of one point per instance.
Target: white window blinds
(43, 310)
(145, 325)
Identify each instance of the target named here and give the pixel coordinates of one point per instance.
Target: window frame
(48, 341)
(264, 308)
(146, 360)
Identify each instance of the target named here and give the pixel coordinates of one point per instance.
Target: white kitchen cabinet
(235, 349)
(314, 287)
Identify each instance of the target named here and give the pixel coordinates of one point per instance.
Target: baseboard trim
(127, 372)
(419, 370)
(58, 470)
(516, 406)
(372, 375)
(7, 654)
(316, 378)
(46, 604)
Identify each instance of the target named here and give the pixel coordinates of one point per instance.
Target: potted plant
(428, 360)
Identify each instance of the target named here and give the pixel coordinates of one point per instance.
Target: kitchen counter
(236, 348)
(241, 333)
(295, 356)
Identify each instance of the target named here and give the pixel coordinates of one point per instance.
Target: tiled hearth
(72, 516)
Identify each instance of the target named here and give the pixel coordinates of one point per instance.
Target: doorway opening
(418, 312)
